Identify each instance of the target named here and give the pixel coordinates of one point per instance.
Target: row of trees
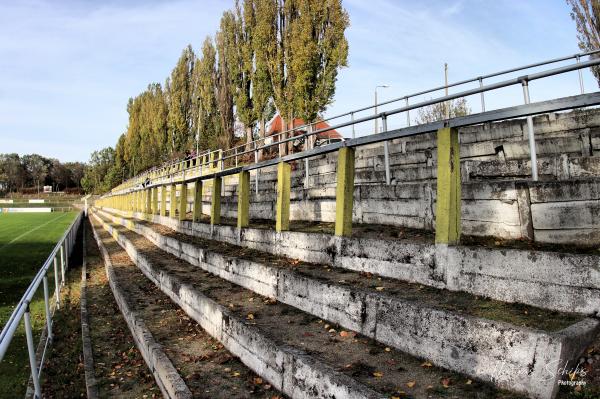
(19, 173)
(267, 56)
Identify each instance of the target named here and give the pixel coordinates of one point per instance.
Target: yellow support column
(173, 201)
(183, 201)
(447, 218)
(344, 192)
(243, 211)
(197, 212)
(163, 200)
(154, 200)
(215, 205)
(148, 209)
(282, 221)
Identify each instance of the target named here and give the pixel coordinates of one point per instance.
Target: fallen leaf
(250, 316)
(332, 330)
(379, 288)
(257, 380)
(469, 382)
(236, 374)
(388, 349)
(378, 374)
(427, 365)
(411, 384)
(445, 382)
(344, 333)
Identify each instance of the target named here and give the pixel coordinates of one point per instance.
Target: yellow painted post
(197, 212)
(215, 206)
(243, 211)
(173, 201)
(163, 200)
(282, 221)
(148, 209)
(183, 201)
(154, 200)
(447, 218)
(344, 192)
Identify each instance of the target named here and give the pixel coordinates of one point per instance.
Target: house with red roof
(322, 138)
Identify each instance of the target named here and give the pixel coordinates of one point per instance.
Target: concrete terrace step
(186, 361)
(562, 281)
(299, 353)
(453, 330)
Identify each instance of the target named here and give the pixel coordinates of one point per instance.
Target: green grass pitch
(26, 240)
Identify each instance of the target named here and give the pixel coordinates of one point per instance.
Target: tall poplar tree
(586, 14)
(319, 49)
(206, 77)
(179, 101)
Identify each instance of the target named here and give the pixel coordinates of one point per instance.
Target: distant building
(323, 138)
(47, 189)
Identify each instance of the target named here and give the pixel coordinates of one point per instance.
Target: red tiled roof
(276, 125)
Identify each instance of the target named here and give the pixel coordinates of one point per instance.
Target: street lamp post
(376, 119)
(198, 128)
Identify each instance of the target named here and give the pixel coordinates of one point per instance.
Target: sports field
(26, 240)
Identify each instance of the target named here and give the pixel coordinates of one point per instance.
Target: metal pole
(62, 265)
(386, 153)
(447, 104)
(482, 96)
(47, 303)
(407, 113)
(376, 110)
(530, 132)
(308, 147)
(353, 131)
(32, 362)
(56, 284)
(257, 171)
(580, 78)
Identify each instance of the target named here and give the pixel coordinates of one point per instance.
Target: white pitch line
(30, 231)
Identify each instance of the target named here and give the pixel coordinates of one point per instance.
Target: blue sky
(67, 68)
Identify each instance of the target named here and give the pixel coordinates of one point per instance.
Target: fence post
(344, 192)
(282, 222)
(183, 201)
(163, 200)
(47, 306)
(31, 350)
(56, 283)
(243, 212)
(447, 218)
(215, 205)
(148, 209)
(197, 212)
(173, 201)
(154, 200)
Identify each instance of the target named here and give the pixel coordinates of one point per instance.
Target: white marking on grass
(31, 231)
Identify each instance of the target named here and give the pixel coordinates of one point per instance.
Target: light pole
(376, 119)
(198, 127)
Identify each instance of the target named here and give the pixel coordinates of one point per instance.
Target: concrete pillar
(163, 200)
(183, 201)
(243, 211)
(344, 192)
(154, 200)
(197, 211)
(447, 218)
(173, 201)
(282, 221)
(148, 209)
(215, 205)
